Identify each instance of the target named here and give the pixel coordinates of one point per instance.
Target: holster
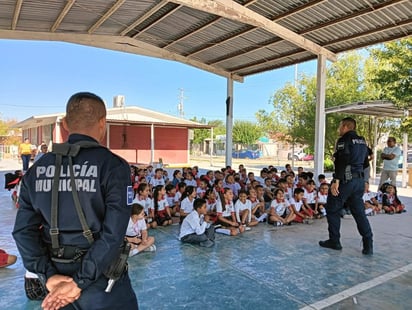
(119, 265)
(348, 174)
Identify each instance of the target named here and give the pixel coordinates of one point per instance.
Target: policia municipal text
(71, 234)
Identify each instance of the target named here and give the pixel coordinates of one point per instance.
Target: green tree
(268, 123)
(295, 107)
(201, 134)
(392, 75)
(246, 133)
(219, 127)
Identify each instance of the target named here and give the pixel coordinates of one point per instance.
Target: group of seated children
(385, 201)
(229, 202)
(223, 201)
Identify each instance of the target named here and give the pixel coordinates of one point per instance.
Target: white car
(298, 155)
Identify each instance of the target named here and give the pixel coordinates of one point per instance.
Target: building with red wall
(139, 135)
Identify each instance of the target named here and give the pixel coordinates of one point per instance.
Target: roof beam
(215, 20)
(360, 13)
(123, 44)
(298, 53)
(62, 14)
(106, 15)
(144, 17)
(16, 14)
(277, 18)
(234, 11)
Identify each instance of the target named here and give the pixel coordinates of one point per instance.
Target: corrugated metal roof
(378, 108)
(230, 38)
(127, 114)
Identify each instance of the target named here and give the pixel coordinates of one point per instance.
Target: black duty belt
(358, 175)
(67, 254)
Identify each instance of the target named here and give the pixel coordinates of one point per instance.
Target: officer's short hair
(349, 122)
(84, 110)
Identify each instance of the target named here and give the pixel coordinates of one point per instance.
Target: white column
(211, 146)
(375, 146)
(152, 144)
(320, 115)
(405, 155)
(107, 135)
(229, 122)
(58, 133)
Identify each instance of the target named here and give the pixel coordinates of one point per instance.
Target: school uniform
(196, 230)
(240, 207)
(135, 229)
(161, 213)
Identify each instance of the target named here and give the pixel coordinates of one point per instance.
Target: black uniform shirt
(102, 180)
(350, 150)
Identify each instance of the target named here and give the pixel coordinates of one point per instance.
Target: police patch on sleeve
(130, 195)
(340, 146)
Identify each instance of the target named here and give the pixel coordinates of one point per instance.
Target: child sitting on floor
(195, 229)
(161, 209)
(321, 199)
(226, 215)
(243, 211)
(280, 213)
(303, 214)
(390, 201)
(142, 198)
(370, 201)
(211, 203)
(136, 233)
(187, 200)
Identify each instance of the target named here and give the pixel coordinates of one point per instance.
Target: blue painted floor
(265, 268)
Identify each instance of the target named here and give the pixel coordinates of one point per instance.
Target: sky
(38, 77)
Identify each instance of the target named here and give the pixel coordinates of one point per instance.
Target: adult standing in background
(69, 258)
(390, 156)
(25, 153)
(348, 186)
(43, 150)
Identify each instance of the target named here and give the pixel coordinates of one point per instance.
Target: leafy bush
(328, 165)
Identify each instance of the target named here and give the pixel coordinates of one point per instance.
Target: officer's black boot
(367, 246)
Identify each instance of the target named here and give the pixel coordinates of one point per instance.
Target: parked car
(251, 154)
(298, 155)
(308, 157)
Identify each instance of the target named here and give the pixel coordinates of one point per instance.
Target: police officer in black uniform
(75, 275)
(348, 186)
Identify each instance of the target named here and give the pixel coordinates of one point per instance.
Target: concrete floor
(265, 268)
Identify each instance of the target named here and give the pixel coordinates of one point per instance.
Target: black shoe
(367, 246)
(330, 244)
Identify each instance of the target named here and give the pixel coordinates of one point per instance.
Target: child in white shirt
(243, 211)
(280, 211)
(136, 232)
(195, 229)
(142, 198)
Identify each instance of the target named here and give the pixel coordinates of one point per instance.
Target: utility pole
(180, 107)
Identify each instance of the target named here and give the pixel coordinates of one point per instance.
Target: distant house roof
(128, 115)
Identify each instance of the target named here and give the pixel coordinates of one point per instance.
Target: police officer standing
(348, 187)
(74, 273)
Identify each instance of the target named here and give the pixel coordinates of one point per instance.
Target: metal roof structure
(122, 115)
(233, 39)
(377, 108)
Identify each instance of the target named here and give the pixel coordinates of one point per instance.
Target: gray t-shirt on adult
(391, 164)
